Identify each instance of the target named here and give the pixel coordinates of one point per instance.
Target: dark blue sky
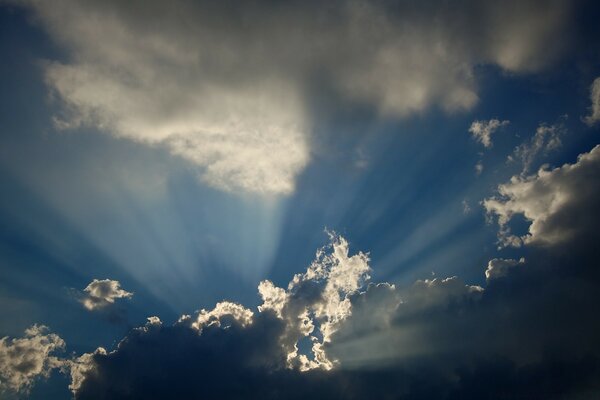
(88, 203)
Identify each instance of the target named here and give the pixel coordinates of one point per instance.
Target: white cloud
(237, 312)
(482, 130)
(595, 99)
(317, 301)
(23, 360)
(102, 293)
(557, 203)
(227, 87)
(546, 139)
(499, 267)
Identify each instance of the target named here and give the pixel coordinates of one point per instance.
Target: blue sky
(110, 170)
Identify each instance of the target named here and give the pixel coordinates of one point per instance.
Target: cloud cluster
(558, 203)
(595, 99)
(228, 86)
(482, 130)
(101, 293)
(23, 360)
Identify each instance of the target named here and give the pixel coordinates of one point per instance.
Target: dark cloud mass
(530, 333)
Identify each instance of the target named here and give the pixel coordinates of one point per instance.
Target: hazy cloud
(227, 86)
(558, 203)
(482, 130)
(102, 293)
(23, 360)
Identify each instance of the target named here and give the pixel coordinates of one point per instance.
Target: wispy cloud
(482, 131)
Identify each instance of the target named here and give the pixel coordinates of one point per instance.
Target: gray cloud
(558, 203)
(595, 107)
(226, 86)
(101, 293)
(25, 359)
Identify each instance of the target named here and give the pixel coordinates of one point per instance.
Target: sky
(333, 200)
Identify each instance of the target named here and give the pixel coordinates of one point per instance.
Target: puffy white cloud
(595, 99)
(558, 203)
(101, 293)
(482, 130)
(499, 267)
(226, 86)
(545, 139)
(23, 360)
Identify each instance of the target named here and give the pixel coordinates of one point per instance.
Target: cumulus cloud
(482, 130)
(558, 203)
(332, 334)
(25, 359)
(499, 267)
(101, 293)
(545, 140)
(595, 99)
(227, 86)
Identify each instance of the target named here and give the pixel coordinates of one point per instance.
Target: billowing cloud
(227, 86)
(595, 99)
(482, 130)
(558, 203)
(25, 359)
(500, 267)
(101, 293)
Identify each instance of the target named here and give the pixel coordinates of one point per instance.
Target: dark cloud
(530, 333)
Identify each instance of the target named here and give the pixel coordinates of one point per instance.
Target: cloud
(102, 293)
(545, 140)
(482, 130)
(228, 86)
(559, 203)
(595, 107)
(333, 334)
(25, 359)
(479, 168)
(499, 267)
